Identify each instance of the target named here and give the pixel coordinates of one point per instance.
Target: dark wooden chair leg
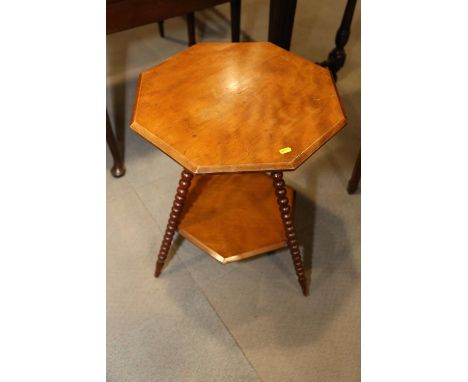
(337, 56)
(281, 22)
(118, 169)
(174, 218)
(161, 28)
(289, 230)
(235, 20)
(356, 176)
(191, 28)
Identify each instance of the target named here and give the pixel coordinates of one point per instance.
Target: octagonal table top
(235, 107)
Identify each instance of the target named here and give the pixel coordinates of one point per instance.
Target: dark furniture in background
(356, 175)
(337, 56)
(127, 14)
(280, 29)
(190, 19)
(118, 169)
(281, 21)
(335, 62)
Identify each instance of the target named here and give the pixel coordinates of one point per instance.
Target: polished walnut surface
(233, 216)
(233, 107)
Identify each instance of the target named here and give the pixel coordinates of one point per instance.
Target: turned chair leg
(289, 230)
(118, 169)
(174, 218)
(161, 28)
(191, 28)
(337, 56)
(235, 20)
(356, 176)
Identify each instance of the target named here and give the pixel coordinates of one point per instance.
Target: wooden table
(127, 14)
(229, 113)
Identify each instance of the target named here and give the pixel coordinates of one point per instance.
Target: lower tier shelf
(233, 217)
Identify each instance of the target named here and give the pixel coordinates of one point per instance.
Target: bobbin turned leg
(174, 217)
(290, 232)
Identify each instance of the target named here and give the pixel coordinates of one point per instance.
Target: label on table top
(285, 150)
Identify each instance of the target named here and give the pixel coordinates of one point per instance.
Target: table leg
(337, 56)
(161, 28)
(235, 20)
(174, 218)
(118, 169)
(281, 22)
(356, 176)
(191, 28)
(289, 230)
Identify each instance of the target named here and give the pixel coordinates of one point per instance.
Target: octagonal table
(229, 113)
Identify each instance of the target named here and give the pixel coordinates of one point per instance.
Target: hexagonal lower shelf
(233, 217)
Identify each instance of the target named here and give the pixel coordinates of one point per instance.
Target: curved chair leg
(161, 28)
(356, 176)
(191, 28)
(289, 230)
(118, 169)
(337, 56)
(235, 20)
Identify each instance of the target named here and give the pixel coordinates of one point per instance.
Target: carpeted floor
(245, 321)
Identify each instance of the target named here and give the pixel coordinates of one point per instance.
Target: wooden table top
(234, 107)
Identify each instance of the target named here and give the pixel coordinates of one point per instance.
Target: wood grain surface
(233, 216)
(235, 107)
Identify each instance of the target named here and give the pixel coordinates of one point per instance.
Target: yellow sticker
(285, 150)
